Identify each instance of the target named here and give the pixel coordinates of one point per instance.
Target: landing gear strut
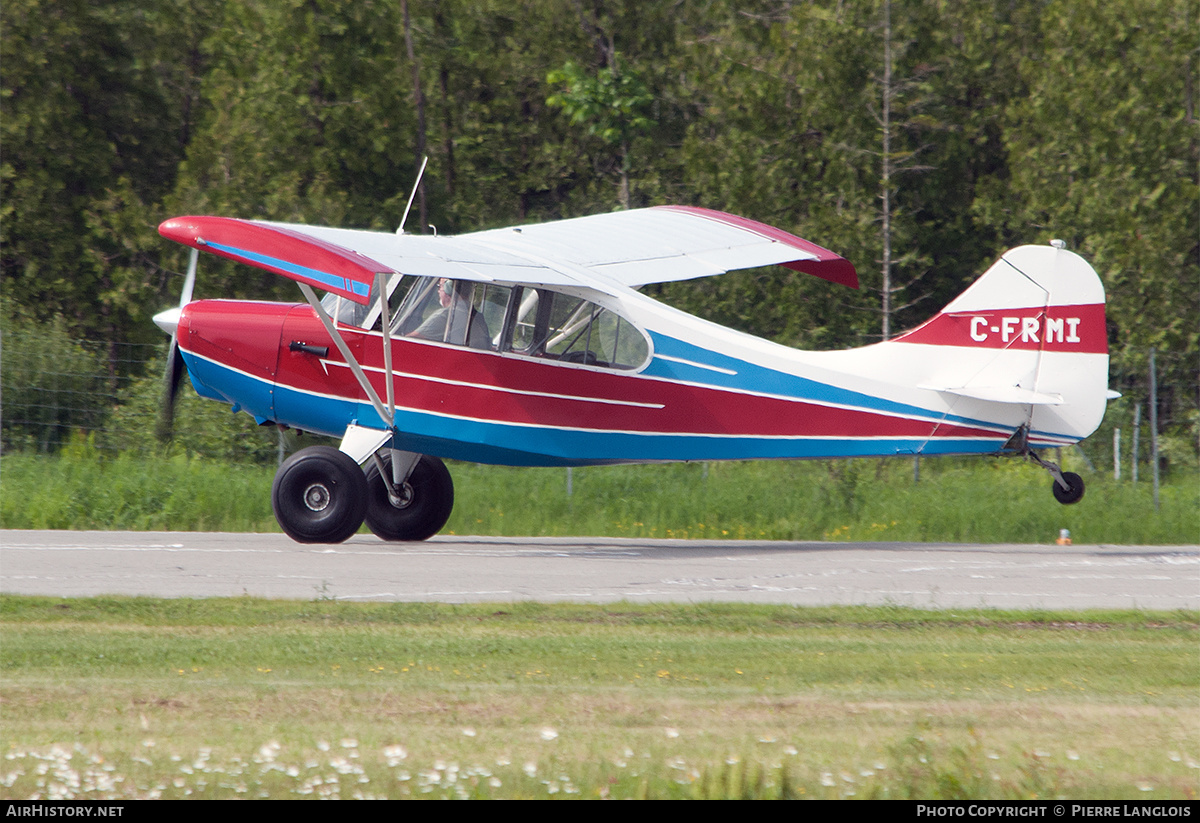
(1067, 486)
(413, 509)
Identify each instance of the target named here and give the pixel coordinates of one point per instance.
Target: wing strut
(382, 279)
(372, 395)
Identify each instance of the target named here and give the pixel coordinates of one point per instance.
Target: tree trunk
(887, 171)
(419, 99)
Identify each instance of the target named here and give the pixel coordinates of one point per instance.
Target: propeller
(168, 321)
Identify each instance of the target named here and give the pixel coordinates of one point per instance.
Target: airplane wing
(628, 248)
(669, 243)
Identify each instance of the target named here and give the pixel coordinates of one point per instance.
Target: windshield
(343, 310)
(525, 320)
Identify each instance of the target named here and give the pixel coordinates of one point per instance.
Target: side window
(489, 306)
(570, 329)
(623, 345)
(421, 304)
(524, 321)
(452, 311)
(561, 327)
(402, 286)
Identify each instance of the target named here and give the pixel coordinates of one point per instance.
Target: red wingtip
(185, 230)
(827, 265)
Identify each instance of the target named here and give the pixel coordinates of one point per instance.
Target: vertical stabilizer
(1029, 332)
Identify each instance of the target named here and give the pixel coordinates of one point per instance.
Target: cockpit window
(525, 320)
(562, 327)
(448, 311)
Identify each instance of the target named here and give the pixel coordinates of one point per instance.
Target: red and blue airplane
(531, 346)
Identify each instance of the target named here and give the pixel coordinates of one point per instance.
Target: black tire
(430, 499)
(319, 495)
(1071, 495)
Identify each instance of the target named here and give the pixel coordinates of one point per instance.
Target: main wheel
(1072, 495)
(319, 495)
(424, 503)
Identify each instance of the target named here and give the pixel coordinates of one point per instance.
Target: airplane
(532, 346)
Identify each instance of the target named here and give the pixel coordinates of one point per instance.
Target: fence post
(1137, 427)
(1154, 425)
(1116, 454)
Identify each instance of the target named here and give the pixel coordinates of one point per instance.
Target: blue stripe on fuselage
(748, 377)
(220, 382)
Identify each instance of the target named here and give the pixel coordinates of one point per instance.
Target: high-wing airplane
(531, 346)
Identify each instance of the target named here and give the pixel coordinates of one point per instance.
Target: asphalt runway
(600, 570)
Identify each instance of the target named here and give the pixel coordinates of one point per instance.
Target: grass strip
(138, 697)
(956, 500)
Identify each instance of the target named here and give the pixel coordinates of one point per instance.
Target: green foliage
(201, 428)
(989, 501)
(51, 384)
(83, 490)
(1108, 160)
(58, 391)
(862, 500)
(1011, 123)
(610, 104)
(96, 106)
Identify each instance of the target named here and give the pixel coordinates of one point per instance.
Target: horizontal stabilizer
(1003, 394)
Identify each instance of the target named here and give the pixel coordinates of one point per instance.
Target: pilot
(455, 308)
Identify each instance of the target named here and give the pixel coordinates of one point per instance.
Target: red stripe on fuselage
(473, 384)
(1056, 328)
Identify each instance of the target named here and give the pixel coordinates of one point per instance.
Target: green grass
(137, 697)
(982, 500)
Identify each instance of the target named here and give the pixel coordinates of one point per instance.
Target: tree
(611, 104)
(95, 112)
(1104, 153)
(307, 119)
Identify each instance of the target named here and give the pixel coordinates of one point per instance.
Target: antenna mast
(416, 186)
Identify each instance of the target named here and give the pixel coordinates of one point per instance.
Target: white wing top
(604, 251)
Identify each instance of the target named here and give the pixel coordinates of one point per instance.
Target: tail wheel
(319, 495)
(1072, 494)
(422, 507)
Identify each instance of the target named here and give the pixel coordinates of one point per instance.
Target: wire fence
(56, 388)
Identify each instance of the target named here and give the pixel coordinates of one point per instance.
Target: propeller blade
(168, 321)
(189, 281)
(172, 379)
(176, 372)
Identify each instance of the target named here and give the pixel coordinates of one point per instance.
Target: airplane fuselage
(704, 393)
